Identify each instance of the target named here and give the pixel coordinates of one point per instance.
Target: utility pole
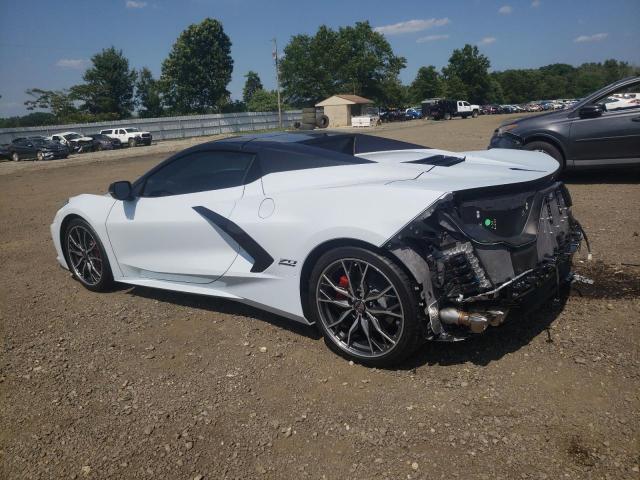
(275, 58)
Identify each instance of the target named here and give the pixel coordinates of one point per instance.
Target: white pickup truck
(444, 109)
(465, 109)
(128, 136)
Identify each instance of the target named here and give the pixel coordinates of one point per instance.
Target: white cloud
(535, 3)
(596, 37)
(411, 26)
(135, 4)
(505, 10)
(431, 38)
(487, 41)
(76, 63)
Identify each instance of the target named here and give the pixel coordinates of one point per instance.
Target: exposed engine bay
(478, 254)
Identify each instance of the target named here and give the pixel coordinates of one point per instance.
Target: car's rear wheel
(86, 256)
(547, 148)
(365, 306)
(40, 156)
(15, 156)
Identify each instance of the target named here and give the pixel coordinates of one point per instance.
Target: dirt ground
(141, 383)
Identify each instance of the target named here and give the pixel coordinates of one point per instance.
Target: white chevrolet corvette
(380, 243)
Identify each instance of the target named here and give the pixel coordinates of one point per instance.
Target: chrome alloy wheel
(84, 255)
(360, 308)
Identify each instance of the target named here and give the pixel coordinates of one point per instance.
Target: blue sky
(47, 43)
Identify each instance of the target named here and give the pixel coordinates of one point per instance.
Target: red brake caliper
(343, 282)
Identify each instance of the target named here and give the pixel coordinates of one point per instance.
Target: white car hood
(478, 169)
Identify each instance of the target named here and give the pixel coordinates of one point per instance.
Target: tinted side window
(106, 132)
(199, 172)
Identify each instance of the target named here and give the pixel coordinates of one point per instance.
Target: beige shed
(340, 108)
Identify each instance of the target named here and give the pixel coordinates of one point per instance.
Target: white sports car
(380, 243)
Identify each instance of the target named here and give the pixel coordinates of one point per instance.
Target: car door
(22, 147)
(175, 230)
(607, 137)
(613, 137)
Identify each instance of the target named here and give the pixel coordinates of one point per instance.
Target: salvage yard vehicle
(130, 136)
(603, 129)
(380, 243)
(447, 109)
(102, 142)
(74, 141)
(36, 148)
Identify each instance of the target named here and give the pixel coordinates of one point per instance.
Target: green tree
(393, 94)
(455, 88)
(234, 106)
(109, 85)
(198, 69)
(496, 95)
(354, 59)
(251, 85)
(263, 101)
(58, 102)
(33, 119)
(427, 84)
(471, 68)
(148, 95)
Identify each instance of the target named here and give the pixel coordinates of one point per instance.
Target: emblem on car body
(288, 263)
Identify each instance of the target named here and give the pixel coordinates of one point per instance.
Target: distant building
(340, 108)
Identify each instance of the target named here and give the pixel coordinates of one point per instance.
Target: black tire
(131, 142)
(549, 149)
(105, 282)
(408, 338)
(15, 156)
(475, 114)
(447, 116)
(323, 122)
(99, 147)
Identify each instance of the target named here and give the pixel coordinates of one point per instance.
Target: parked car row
(60, 145)
(537, 106)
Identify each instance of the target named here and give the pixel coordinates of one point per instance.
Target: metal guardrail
(168, 128)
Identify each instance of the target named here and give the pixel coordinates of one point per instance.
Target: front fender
(94, 209)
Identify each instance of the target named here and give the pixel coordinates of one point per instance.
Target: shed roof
(343, 99)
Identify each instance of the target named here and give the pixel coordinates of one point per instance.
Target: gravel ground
(141, 383)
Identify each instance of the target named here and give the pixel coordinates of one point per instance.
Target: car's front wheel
(86, 256)
(547, 148)
(15, 156)
(365, 306)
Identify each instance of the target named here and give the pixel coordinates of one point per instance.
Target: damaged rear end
(478, 254)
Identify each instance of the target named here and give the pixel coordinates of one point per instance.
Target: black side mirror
(121, 190)
(592, 111)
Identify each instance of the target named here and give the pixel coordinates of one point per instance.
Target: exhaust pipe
(476, 322)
